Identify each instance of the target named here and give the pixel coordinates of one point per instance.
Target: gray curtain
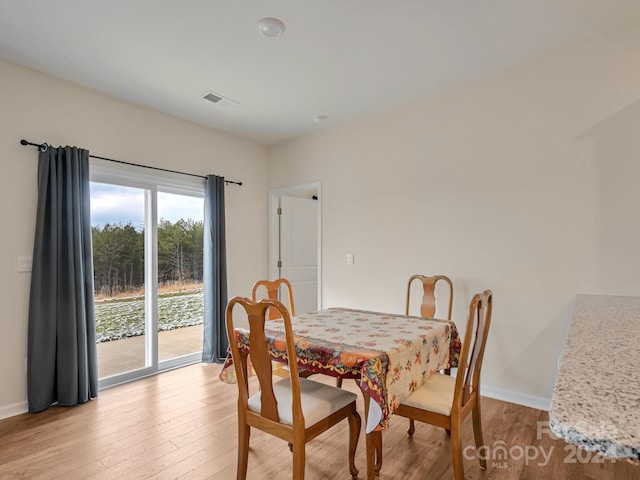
(215, 341)
(61, 364)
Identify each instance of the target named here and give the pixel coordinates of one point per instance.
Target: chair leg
(447, 371)
(298, 460)
(354, 434)
(412, 427)
(339, 382)
(456, 452)
(244, 431)
(477, 432)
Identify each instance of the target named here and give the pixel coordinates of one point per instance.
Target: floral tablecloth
(392, 355)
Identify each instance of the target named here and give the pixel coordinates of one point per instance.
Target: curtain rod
(42, 147)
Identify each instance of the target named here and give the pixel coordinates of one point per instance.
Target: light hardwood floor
(181, 424)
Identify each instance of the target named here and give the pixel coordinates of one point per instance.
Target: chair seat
(434, 395)
(318, 400)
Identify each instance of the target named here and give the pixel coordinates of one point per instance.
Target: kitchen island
(596, 400)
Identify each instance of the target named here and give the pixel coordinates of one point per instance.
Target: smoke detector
(271, 27)
(220, 100)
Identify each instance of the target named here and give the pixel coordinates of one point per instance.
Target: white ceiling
(341, 58)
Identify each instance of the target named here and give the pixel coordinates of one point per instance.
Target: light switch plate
(25, 264)
(350, 259)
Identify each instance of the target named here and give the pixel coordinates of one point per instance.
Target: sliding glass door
(181, 297)
(147, 247)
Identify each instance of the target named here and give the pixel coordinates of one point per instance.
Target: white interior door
(299, 249)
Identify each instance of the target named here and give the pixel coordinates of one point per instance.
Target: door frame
(316, 188)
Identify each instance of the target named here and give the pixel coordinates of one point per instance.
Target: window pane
(117, 215)
(180, 294)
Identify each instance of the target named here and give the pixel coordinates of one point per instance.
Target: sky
(116, 204)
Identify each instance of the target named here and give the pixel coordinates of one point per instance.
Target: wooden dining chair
(428, 305)
(445, 401)
(273, 288)
(294, 409)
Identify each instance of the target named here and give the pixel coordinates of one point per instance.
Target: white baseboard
(13, 410)
(540, 403)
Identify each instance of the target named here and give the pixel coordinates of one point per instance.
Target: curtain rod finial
(42, 147)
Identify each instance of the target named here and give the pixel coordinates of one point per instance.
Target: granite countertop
(596, 401)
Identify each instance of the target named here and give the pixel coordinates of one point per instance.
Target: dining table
(388, 355)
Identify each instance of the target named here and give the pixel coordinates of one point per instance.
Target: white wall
(42, 108)
(615, 143)
(499, 184)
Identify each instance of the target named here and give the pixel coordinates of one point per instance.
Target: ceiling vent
(220, 100)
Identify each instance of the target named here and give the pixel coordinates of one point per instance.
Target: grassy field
(123, 317)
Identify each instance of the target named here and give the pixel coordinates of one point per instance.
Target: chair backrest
(472, 352)
(428, 305)
(273, 293)
(260, 358)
